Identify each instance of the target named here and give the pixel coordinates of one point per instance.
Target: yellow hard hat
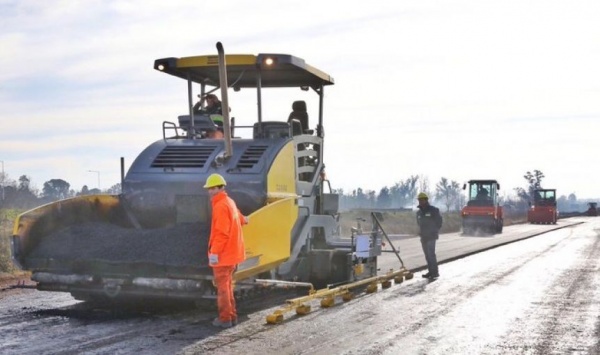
(214, 180)
(423, 196)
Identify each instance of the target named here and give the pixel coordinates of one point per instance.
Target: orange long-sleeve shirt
(226, 238)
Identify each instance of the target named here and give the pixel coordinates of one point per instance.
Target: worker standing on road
(225, 247)
(429, 220)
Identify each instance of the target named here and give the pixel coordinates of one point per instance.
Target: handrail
(171, 126)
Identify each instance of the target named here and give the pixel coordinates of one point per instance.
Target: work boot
(222, 324)
(433, 277)
(234, 321)
(425, 276)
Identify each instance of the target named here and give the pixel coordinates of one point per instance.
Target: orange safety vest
(226, 238)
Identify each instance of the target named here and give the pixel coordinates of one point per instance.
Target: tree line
(448, 194)
(20, 194)
(445, 193)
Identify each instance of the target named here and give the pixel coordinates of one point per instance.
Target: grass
(7, 218)
(405, 222)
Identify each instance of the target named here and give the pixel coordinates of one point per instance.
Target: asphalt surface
(110, 243)
(537, 295)
(456, 245)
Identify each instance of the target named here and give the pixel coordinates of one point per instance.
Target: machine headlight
(269, 61)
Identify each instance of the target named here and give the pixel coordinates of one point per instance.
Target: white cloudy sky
(461, 89)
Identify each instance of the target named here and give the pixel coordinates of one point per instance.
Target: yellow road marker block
(303, 309)
(327, 302)
(275, 318)
(372, 288)
(346, 297)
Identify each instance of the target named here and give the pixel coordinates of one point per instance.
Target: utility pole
(2, 161)
(97, 172)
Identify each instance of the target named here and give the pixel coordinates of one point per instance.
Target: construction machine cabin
(151, 241)
(483, 212)
(543, 210)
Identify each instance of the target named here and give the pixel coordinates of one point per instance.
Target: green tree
(56, 189)
(424, 185)
(573, 204)
(24, 182)
(25, 197)
(534, 182)
(360, 198)
(372, 198)
(562, 204)
(116, 189)
(84, 190)
(404, 192)
(448, 192)
(3, 176)
(384, 199)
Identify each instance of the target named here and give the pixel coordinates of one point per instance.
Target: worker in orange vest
(225, 247)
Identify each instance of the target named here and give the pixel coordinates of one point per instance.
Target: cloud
(452, 88)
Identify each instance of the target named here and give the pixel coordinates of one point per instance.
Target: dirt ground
(11, 283)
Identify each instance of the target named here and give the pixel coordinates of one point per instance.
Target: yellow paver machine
(151, 240)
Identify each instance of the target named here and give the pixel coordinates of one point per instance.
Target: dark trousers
(429, 251)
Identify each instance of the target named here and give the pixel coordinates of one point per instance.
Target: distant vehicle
(543, 210)
(482, 212)
(592, 210)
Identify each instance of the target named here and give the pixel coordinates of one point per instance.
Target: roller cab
(483, 212)
(543, 209)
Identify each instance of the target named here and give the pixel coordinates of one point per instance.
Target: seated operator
(213, 105)
(483, 195)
